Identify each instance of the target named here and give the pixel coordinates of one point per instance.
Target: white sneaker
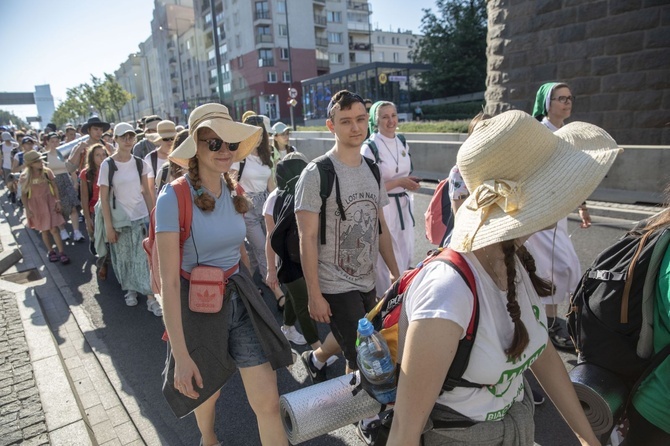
(64, 235)
(131, 298)
(77, 236)
(293, 335)
(154, 307)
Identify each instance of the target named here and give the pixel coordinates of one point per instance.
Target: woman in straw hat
(244, 333)
(523, 179)
(39, 194)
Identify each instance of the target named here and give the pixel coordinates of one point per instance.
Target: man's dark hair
(342, 100)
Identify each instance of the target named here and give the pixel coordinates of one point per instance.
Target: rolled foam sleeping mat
(324, 407)
(602, 395)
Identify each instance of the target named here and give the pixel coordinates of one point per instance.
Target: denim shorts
(243, 344)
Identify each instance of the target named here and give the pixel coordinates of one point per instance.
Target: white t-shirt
(127, 187)
(269, 205)
(439, 292)
(159, 163)
(7, 154)
(255, 175)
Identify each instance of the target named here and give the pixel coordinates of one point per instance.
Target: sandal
(559, 341)
(281, 301)
(64, 259)
(53, 257)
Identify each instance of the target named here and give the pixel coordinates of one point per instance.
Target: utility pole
(290, 65)
(217, 55)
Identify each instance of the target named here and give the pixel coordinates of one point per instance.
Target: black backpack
(606, 316)
(285, 240)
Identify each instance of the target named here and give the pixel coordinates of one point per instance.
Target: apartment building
(393, 46)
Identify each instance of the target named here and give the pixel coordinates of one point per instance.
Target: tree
(6, 118)
(455, 45)
(118, 97)
(97, 96)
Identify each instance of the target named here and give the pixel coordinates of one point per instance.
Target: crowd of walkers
(327, 238)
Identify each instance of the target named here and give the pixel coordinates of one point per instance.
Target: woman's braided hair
(543, 288)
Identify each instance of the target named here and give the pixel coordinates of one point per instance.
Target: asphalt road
(133, 338)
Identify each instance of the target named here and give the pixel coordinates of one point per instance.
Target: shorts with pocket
(243, 344)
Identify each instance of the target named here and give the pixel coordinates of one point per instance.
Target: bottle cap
(365, 328)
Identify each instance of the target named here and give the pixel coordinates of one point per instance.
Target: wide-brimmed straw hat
(217, 118)
(523, 178)
(164, 129)
(33, 156)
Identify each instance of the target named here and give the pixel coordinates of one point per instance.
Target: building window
(396, 57)
(240, 62)
(237, 41)
(272, 77)
(283, 52)
(265, 58)
(334, 16)
(283, 30)
(262, 10)
(334, 37)
(336, 58)
(286, 77)
(281, 7)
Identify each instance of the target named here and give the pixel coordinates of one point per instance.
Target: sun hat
(523, 178)
(122, 128)
(151, 122)
(247, 114)
(166, 129)
(96, 122)
(279, 128)
(32, 156)
(217, 118)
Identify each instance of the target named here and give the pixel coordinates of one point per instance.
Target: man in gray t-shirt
(340, 274)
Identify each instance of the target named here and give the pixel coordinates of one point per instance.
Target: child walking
(39, 194)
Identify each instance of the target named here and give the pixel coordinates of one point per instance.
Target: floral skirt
(68, 196)
(129, 260)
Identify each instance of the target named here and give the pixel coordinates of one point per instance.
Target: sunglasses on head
(215, 144)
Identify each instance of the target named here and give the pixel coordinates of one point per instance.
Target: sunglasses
(215, 144)
(168, 139)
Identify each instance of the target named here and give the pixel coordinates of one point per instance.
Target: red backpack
(185, 203)
(438, 216)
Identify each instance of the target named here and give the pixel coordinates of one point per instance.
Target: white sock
(331, 360)
(318, 364)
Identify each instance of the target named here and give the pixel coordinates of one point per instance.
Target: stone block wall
(614, 54)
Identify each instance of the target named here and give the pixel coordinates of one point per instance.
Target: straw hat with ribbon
(32, 157)
(523, 178)
(217, 118)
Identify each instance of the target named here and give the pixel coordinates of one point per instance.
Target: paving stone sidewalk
(21, 415)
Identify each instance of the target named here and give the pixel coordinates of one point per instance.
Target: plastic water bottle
(374, 361)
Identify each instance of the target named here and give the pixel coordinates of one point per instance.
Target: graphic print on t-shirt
(356, 234)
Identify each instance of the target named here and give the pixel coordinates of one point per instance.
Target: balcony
(360, 46)
(175, 90)
(358, 27)
(264, 38)
(170, 45)
(173, 61)
(266, 62)
(321, 41)
(358, 6)
(262, 15)
(320, 2)
(322, 63)
(320, 20)
(173, 76)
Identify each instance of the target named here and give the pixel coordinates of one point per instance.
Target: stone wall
(614, 54)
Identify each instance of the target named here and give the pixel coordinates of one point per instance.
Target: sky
(63, 42)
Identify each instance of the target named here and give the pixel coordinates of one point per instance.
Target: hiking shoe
(64, 235)
(131, 298)
(316, 375)
(537, 398)
(77, 236)
(368, 433)
(293, 335)
(154, 307)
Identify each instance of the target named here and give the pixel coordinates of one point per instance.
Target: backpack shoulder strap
(327, 177)
(154, 162)
(110, 176)
(165, 171)
(462, 357)
(402, 139)
(185, 203)
(373, 148)
(375, 170)
(239, 172)
(140, 167)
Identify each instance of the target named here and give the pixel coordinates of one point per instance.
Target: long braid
(240, 201)
(203, 199)
(520, 339)
(543, 287)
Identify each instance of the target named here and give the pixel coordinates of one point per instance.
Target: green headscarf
(541, 107)
(372, 119)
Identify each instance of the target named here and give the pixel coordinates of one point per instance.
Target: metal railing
(260, 15)
(264, 38)
(320, 20)
(321, 41)
(267, 62)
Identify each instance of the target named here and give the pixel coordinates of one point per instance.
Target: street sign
(34, 119)
(292, 102)
(398, 78)
(293, 93)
